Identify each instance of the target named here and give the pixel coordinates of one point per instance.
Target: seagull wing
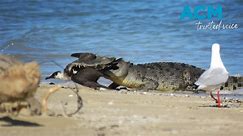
(213, 77)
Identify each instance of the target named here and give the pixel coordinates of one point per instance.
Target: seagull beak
(47, 77)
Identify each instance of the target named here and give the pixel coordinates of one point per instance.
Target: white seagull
(215, 76)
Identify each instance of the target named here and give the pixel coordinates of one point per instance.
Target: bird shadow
(14, 122)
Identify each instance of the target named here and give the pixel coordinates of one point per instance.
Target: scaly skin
(163, 76)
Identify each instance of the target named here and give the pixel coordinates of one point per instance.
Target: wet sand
(109, 113)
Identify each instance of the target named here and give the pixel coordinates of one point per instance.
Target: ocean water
(138, 31)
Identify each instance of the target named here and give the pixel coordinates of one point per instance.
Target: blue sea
(139, 31)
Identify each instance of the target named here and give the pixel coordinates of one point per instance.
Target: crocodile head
(110, 67)
(89, 60)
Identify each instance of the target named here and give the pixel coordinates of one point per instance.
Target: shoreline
(130, 113)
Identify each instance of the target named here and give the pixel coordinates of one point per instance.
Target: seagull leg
(219, 101)
(211, 94)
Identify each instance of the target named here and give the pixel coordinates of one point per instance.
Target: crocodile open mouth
(75, 68)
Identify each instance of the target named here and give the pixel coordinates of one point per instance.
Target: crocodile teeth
(74, 72)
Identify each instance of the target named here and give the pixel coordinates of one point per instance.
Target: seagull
(215, 76)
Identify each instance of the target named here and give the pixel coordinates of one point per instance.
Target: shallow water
(139, 31)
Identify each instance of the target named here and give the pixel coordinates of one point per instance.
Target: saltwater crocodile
(164, 76)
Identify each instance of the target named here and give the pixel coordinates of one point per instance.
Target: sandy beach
(109, 113)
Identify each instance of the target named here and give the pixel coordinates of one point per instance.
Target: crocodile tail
(233, 83)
